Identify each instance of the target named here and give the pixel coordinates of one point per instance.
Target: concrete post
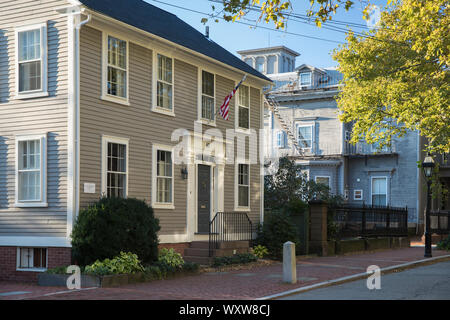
(318, 217)
(289, 263)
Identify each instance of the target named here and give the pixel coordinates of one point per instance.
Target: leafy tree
(397, 79)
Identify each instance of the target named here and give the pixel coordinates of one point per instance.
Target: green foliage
(277, 229)
(260, 251)
(57, 270)
(161, 270)
(170, 258)
(113, 225)
(444, 244)
(397, 80)
(240, 258)
(125, 263)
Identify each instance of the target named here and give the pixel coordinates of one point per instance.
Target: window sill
(168, 206)
(207, 122)
(31, 205)
(243, 130)
(241, 209)
(163, 111)
(117, 100)
(32, 269)
(31, 95)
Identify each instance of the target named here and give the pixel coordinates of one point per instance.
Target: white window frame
(328, 177)
(32, 269)
(354, 195)
(200, 94)
(312, 126)
(310, 78)
(282, 141)
(371, 188)
(105, 95)
(236, 187)
(43, 91)
(155, 107)
(117, 140)
(42, 202)
(238, 105)
(155, 204)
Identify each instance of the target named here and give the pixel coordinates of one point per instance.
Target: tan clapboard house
(91, 93)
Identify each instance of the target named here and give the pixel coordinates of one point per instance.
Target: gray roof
(154, 20)
(270, 49)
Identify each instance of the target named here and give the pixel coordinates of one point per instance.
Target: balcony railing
(325, 81)
(367, 149)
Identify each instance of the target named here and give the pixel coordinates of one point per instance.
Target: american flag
(225, 108)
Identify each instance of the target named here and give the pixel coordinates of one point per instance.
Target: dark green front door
(203, 198)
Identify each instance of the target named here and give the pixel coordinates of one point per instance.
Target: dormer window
(305, 78)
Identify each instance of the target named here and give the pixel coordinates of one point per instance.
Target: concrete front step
(199, 260)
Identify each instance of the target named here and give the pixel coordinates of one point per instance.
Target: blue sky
(234, 37)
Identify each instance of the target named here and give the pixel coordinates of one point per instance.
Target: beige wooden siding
(144, 127)
(34, 116)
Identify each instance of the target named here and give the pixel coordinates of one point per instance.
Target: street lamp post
(428, 166)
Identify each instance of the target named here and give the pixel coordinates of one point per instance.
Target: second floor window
(305, 137)
(117, 67)
(116, 174)
(244, 107)
(165, 82)
(208, 101)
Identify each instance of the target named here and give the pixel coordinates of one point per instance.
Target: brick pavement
(233, 285)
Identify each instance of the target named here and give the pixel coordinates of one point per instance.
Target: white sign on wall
(89, 188)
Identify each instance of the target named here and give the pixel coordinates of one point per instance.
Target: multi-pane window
(281, 139)
(32, 258)
(305, 78)
(244, 107)
(117, 67)
(305, 137)
(208, 101)
(379, 191)
(116, 174)
(165, 82)
(164, 177)
(30, 60)
(243, 185)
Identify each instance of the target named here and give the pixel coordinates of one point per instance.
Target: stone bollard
(289, 263)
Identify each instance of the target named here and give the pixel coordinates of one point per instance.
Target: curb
(358, 276)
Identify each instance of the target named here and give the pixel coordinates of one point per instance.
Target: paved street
(422, 283)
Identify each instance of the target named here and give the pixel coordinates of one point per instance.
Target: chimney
(207, 32)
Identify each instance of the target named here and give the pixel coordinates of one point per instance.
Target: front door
(203, 198)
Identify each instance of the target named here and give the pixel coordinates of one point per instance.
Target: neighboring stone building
(302, 113)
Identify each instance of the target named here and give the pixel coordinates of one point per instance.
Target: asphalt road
(430, 282)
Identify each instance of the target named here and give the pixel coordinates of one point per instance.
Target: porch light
(428, 166)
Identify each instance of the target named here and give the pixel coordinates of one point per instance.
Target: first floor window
(116, 174)
(164, 176)
(305, 137)
(32, 258)
(208, 100)
(323, 180)
(243, 185)
(281, 139)
(379, 191)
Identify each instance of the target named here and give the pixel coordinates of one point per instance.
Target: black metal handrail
(370, 221)
(440, 222)
(229, 226)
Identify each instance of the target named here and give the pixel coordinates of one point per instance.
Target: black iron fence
(440, 222)
(229, 226)
(369, 221)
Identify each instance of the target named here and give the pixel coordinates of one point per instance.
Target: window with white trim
(164, 177)
(208, 96)
(117, 65)
(379, 191)
(31, 63)
(281, 139)
(164, 98)
(244, 107)
(243, 185)
(31, 258)
(305, 78)
(31, 171)
(357, 195)
(116, 171)
(325, 180)
(305, 137)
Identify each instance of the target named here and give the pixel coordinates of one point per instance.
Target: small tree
(112, 225)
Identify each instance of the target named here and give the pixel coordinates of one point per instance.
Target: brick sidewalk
(233, 285)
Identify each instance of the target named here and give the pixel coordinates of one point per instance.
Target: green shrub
(170, 258)
(113, 225)
(444, 244)
(260, 251)
(240, 258)
(191, 267)
(277, 229)
(57, 270)
(153, 273)
(125, 263)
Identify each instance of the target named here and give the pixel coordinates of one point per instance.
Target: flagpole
(243, 79)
